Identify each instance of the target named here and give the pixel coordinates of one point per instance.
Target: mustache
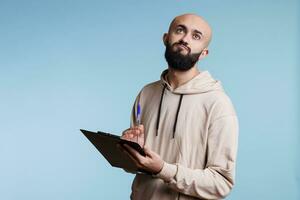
(182, 43)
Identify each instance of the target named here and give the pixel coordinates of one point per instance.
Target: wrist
(168, 172)
(161, 165)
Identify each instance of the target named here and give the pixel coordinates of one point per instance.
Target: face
(177, 60)
(186, 42)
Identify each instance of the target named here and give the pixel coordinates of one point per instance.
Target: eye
(179, 30)
(196, 37)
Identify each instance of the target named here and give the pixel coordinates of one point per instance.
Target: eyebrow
(183, 26)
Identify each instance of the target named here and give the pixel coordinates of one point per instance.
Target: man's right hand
(135, 134)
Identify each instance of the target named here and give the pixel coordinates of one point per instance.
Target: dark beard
(178, 61)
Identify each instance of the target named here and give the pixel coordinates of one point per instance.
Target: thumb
(148, 151)
(141, 127)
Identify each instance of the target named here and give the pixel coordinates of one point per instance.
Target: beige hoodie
(194, 128)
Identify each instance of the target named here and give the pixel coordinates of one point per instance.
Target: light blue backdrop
(66, 65)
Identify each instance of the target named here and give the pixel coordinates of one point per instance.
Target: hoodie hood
(201, 83)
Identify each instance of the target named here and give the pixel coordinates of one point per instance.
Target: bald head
(196, 22)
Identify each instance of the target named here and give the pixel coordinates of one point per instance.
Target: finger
(129, 130)
(141, 127)
(128, 134)
(124, 136)
(129, 138)
(133, 132)
(137, 126)
(148, 152)
(137, 132)
(134, 153)
(133, 159)
(140, 130)
(134, 128)
(121, 148)
(124, 132)
(130, 150)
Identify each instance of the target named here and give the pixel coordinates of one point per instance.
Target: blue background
(66, 65)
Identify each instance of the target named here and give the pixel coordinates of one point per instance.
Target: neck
(177, 78)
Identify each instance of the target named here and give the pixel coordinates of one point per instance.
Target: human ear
(203, 54)
(165, 38)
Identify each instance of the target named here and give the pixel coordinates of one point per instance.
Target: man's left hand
(152, 162)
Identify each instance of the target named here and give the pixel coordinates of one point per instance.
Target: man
(189, 127)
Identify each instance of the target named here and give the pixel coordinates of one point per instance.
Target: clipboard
(106, 144)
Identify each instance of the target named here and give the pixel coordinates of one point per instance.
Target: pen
(138, 118)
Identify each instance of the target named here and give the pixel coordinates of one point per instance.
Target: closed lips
(181, 45)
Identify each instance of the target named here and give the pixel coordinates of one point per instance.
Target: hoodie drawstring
(159, 110)
(178, 108)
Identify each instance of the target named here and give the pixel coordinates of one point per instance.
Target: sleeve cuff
(167, 172)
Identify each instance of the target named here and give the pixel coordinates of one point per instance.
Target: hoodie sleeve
(216, 180)
(133, 121)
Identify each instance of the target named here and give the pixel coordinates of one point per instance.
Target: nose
(185, 39)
